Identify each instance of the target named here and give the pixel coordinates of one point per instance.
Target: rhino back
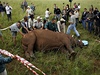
(47, 39)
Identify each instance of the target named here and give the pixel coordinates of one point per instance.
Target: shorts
(14, 33)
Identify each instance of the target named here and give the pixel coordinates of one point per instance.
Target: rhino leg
(30, 50)
(25, 50)
(70, 50)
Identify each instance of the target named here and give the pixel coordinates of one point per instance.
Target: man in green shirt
(51, 25)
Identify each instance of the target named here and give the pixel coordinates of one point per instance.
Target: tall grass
(52, 63)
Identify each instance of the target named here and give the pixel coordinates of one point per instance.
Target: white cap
(35, 21)
(62, 19)
(28, 6)
(39, 17)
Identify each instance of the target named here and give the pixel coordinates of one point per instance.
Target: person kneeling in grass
(3, 61)
(14, 29)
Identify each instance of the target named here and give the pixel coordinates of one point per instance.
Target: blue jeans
(72, 27)
(90, 24)
(84, 23)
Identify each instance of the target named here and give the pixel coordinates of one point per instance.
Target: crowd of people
(90, 19)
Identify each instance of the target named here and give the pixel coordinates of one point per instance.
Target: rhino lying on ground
(43, 40)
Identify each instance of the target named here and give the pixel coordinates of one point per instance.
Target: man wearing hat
(61, 25)
(38, 24)
(51, 25)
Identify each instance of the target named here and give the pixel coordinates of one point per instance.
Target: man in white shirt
(8, 11)
(38, 24)
(47, 13)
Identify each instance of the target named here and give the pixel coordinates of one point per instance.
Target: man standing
(25, 4)
(83, 18)
(51, 25)
(14, 29)
(57, 13)
(8, 11)
(72, 22)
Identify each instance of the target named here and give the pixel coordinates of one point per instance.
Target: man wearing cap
(61, 25)
(14, 28)
(29, 11)
(72, 26)
(51, 25)
(38, 24)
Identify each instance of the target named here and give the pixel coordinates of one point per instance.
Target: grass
(52, 63)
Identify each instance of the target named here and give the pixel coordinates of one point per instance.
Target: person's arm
(34, 26)
(42, 25)
(5, 60)
(21, 33)
(26, 29)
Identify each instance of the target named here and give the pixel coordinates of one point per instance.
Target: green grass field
(52, 63)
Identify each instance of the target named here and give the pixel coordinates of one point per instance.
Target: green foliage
(52, 63)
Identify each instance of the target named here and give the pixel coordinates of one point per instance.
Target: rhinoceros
(43, 40)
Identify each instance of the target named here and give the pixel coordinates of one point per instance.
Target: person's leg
(84, 24)
(77, 33)
(8, 16)
(2, 13)
(68, 29)
(58, 17)
(4, 72)
(91, 27)
(14, 34)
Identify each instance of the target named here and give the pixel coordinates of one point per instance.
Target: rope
(23, 61)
